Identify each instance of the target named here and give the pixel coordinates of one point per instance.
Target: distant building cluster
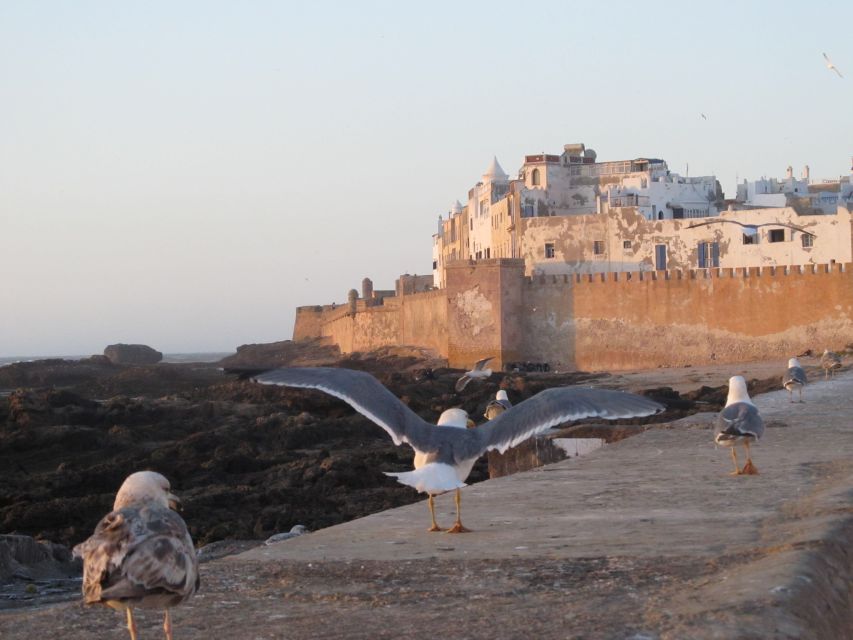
(569, 213)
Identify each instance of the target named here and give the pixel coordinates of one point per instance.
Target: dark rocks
(132, 354)
(22, 557)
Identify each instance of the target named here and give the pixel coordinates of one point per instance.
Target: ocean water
(174, 358)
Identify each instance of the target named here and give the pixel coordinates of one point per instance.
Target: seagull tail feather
(430, 478)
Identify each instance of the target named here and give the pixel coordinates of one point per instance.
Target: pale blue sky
(184, 174)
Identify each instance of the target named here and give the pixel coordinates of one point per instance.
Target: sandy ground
(643, 539)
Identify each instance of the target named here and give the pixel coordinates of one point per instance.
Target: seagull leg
(167, 625)
(457, 526)
(736, 472)
(749, 469)
(131, 625)
(431, 503)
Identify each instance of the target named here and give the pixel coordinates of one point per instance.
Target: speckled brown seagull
(141, 554)
(446, 452)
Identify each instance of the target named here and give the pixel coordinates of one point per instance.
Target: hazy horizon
(184, 175)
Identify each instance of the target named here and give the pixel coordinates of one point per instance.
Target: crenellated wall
(607, 321)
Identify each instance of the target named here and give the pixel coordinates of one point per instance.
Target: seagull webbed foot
(749, 469)
(458, 528)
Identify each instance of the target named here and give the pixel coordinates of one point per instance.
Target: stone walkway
(645, 538)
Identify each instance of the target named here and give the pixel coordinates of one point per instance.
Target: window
(626, 244)
(708, 254)
(660, 257)
(549, 249)
(807, 240)
(434, 265)
(488, 253)
(598, 247)
(535, 180)
(750, 238)
(777, 235)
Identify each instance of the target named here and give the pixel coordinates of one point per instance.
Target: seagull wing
(826, 57)
(740, 419)
(478, 366)
(462, 383)
(136, 553)
(782, 224)
(794, 374)
(555, 406)
(365, 394)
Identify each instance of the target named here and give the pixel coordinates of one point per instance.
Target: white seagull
(475, 374)
(831, 66)
(497, 406)
(446, 452)
(794, 378)
(141, 554)
(739, 423)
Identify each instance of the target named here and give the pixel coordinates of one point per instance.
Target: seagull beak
(175, 503)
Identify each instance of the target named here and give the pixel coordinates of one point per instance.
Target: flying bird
(831, 66)
(752, 228)
(739, 423)
(704, 117)
(794, 378)
(141, 554)
(446, 452)
(475, 374)
(497, 406)
(830, 361)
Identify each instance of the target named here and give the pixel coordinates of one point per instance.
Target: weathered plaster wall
(573, 238)
(423, 320)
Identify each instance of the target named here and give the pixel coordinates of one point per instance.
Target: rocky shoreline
(249, 461)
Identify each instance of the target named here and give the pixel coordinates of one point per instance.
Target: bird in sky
(476, 373)
(704, 117)
(751, 228)
(831, 66)
(794, 378)
(141, 553)
(739, 423)
(445, 452)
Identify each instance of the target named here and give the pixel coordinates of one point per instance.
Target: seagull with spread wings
(751, 228)
(478, 372)
(831, 66)
(446, 452)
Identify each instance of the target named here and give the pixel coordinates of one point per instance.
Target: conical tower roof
(495, 173)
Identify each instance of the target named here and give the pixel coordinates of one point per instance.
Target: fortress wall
(607, 321)
(423, 320)
(309, 322)
(622, 321)
(419, 319)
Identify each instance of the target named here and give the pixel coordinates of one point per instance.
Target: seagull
(739, 423)
(141, 553)
(446, 452)
(752, 228)
(794, 378)
(831, 66)
(704, 117)
(830, 361)
(477, 372)
(497, 406)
